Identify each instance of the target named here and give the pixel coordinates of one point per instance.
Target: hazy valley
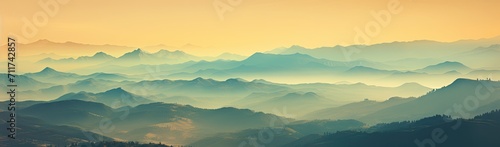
(284, 97)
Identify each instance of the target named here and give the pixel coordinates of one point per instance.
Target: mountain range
(33, 131)
(355, 110)
(397, 50)
(171, 123)
(139, 56)
(387, 94)
(448, 100)
(185, 124)
(282, 66)
(280, 135)
(114, 98)
(26, 82)
(99, 57)
(214, 93)
(352, 133)
(405, 56)
(50, 75)
(432, 131)
(461, 95)
(445, 67)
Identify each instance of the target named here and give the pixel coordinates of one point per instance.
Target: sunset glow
(247, 26)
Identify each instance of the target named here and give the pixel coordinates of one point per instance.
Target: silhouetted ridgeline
(434, 131)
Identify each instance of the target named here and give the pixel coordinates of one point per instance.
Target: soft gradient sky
(253, 25)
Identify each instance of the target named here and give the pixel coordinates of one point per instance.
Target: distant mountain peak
(261, 81)
(363, 69)
(359, 84)
(51, 74)
(307, 95)
(115, 91)
(46, 59)
(137, 53)
(444, 67)
(86, 81)
(236, 80)
(100, 54)
(452, 72)
(118, 89)
(43, 41)
(451, 62)
(411, 84)
(163, 51)
(48, 70)
(462, 81)
(138, 50)
(108, 98)
(394, 99)
(258, 54)
(261, 56)
(178, 51)
(167, 52)
(297, 46)
(200, 80)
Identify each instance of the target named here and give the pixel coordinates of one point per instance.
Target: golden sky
(251, 26)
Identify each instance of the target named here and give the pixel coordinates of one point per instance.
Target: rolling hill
(355, 110)
(113, 98)
(50, 75)
(445, 67)
(150, 122)
(34, 132)
(281, 135)
(433, 131)
(463, 94)
(25, 83)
